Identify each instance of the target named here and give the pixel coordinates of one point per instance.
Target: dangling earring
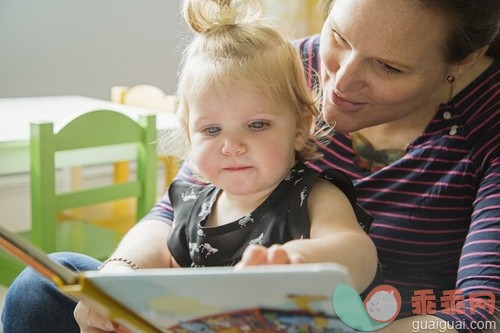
(450, 79)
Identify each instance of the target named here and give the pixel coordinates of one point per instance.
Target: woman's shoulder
(309, 43)
(309, 52)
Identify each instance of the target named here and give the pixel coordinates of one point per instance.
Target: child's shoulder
(181, 190)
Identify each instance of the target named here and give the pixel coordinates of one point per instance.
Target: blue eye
(258, 125)
(213, 130)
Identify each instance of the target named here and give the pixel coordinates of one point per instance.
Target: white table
(17, 113)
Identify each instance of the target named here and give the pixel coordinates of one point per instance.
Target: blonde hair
(232, 43)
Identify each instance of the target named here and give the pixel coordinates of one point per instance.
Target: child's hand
(274, 255)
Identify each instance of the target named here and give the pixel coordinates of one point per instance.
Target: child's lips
(237, 168)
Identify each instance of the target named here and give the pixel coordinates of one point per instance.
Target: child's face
(240, 142)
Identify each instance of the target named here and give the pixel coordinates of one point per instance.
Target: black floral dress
(282, 217)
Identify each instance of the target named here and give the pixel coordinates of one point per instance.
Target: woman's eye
(389, 69)
(258, 125)
(338, 39)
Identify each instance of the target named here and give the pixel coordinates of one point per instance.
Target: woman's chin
(338, 123)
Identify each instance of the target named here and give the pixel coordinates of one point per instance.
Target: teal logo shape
(380, 308)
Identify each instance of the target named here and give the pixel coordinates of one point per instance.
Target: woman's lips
(344, 104)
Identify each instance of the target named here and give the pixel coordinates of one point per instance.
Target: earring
(450, 79)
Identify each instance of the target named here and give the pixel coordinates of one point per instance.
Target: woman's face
(382, 62)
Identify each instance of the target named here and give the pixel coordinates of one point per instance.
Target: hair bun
(227, 15)
(204, 15)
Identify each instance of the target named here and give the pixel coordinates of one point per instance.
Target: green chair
(92, 130)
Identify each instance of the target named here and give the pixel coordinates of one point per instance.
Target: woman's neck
(400, 133)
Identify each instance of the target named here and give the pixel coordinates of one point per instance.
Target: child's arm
(335, 237)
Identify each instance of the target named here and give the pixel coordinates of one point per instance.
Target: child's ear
(303, 132)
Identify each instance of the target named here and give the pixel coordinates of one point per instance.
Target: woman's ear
(463, 66)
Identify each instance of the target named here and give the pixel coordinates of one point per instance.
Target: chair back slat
(94, 129)
(97, 195)
(98, 128)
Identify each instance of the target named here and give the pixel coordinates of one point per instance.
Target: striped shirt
(436, 210)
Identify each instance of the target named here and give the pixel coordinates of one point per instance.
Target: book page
(198, 299)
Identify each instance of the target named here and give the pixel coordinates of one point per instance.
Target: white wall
(83, 47)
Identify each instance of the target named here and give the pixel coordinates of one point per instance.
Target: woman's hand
(274, 255)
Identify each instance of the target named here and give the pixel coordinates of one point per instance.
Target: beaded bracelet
(130, 263)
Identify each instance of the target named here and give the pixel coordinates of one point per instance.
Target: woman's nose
(349, 75)
(233, 147)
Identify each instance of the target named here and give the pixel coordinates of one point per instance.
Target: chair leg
(121, 172)
(171, 166)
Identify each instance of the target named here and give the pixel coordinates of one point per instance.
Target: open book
(281, 298)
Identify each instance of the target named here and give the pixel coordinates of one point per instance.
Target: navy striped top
(437, 209)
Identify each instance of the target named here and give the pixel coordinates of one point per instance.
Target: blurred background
(74, 47)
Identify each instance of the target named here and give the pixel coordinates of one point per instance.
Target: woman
(412, 87)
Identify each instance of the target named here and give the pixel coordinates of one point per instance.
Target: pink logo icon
(383, 303)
